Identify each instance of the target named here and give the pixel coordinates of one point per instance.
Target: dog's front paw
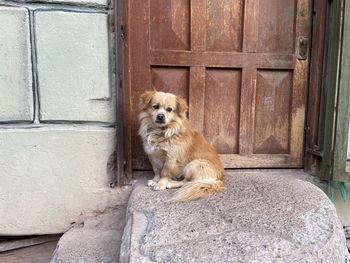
(151, 183)
(158, 187)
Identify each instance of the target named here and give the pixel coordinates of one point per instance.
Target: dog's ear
(181, 106)
(146, 97)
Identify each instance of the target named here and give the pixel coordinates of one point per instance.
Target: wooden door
(236, 62)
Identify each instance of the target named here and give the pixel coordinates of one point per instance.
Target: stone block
(96, 240)
(16, 99)
(73, 66)
(262, 217)
(78, 2)
(50, 175)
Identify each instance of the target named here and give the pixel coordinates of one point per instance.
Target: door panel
(224, 25)
(272, 109)
(171, 79)
(276, 25)
(170, 24)
(235, 62)
(221, 111)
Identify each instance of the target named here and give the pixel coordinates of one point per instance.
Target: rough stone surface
(73, 66)
(16, 97)
(262, 217)
(96, 238)
(50, 175)
(347, 235)
(80, 2)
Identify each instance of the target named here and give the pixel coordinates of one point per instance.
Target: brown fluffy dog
(176, 151)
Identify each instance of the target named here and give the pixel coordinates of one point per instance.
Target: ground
(97, 237)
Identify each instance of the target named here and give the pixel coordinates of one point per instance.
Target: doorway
(241, 65)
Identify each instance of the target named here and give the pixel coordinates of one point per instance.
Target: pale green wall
(57, 113)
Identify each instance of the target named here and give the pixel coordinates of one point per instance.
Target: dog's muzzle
(160, 119)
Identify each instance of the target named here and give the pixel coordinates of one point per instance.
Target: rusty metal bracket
(303, 47)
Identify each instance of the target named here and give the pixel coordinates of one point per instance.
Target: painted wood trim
(331, 83)
(343, 109)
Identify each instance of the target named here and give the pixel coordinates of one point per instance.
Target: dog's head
(163, 108)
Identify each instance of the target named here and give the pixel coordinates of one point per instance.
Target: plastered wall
(57, 113)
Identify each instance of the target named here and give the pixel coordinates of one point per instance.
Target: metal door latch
(303, 45)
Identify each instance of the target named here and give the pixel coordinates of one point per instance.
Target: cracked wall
(57, 113)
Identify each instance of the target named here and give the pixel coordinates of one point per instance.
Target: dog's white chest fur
(150, 148)
(152, 151)
(150, 144)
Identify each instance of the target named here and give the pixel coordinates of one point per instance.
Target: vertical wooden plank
(198, 24)
(343, 113)
(117, 160)
(139, 79)
(247, 109)
(250, 26)
(312, 160)
(247, 103)
(302, 29)
(127, 162)
(196, 97)
(197, 74)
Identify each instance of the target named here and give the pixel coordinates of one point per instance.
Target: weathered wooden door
(241, 65)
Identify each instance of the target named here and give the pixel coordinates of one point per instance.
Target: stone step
(95, 237)
(264, 216)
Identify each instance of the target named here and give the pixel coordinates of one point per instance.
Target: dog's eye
(169, 109)
(156, 106)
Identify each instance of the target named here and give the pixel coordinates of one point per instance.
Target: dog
(180, 156)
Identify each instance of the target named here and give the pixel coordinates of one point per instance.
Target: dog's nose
(160, 117)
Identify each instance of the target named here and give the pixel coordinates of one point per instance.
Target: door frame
(328, 115)
(124, 171)
(342, 104)
(316, 88)
(314, 126)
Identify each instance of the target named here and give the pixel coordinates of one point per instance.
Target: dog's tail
(198, 189)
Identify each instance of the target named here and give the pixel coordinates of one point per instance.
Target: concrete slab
(77, 2)
(51, 175)
(74, 66)
(264, 216)
(96, 238)
(16, 97)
